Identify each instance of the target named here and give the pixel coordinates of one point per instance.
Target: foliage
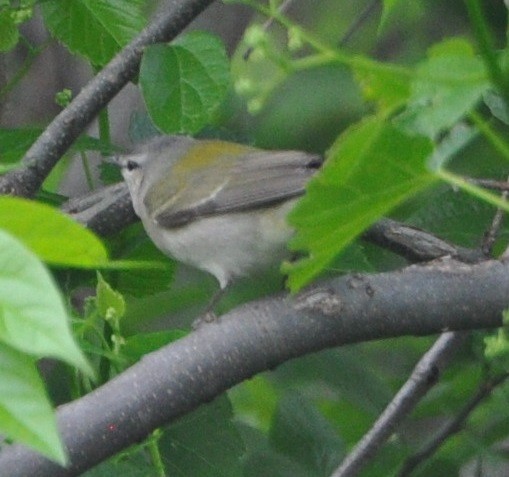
(371, 168)
(396, 133)
(33, 325)
(96, 29)
(192, 74)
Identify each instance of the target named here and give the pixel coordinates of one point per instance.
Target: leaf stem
(88, 173)
(485, 43)
(326, 53)
(104, 126)
(493, 138)
(472, 189)
(155, 454)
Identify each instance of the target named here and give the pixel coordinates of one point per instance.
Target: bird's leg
(209, 315)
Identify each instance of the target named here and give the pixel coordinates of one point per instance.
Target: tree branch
(489, 183)
(423, 378)
(453, 426)
(105, 211)
(426, 373)
(418, 300)
(67, 126)
(416, 245)
(491, 235)
(108, 210)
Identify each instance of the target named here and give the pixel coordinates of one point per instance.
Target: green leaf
(254, 401)
(300, 432)
(9, 34)
(16, 142)
(497, 345)
(318, 109)
(262, 459)
(497, 105)
(54, 237)
(204, 443)
(372, 168)
(7, 168)
(184, 83)
(445, 88)
(26, 415)
(357, 379)
(110, 303)
(452, 143)
(388, 8)
(95, 29)
(139, 345)
(127, 464)
(141, 128)
(89, 143)
(142, 282)
(33, 318)
(462, 219)
(109, 173)
(388, 86)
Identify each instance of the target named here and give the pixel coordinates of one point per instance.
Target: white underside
(227, 246)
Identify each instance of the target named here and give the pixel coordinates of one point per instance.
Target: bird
(218, 206)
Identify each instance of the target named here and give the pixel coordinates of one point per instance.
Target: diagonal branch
(425, 374)
(453, 426)
(67, 126)
(422, 379)
(166, 384)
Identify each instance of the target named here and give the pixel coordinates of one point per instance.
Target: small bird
(216, 205)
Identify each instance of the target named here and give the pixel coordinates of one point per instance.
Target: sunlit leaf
(33, 318)
(372, 168)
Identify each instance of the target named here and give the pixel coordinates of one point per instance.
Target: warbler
(216, 205)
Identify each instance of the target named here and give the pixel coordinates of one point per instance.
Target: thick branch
(66, 127)
(106, 211)
(174, 380)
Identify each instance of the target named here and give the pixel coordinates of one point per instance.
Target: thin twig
(172, 381)
(352, 29)
(423, 377)
(490, 184)
(452, 427)
(359, 21)
(491, 234)
(70, 122)
(268, 24)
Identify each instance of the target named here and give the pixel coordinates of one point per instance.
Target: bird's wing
(259, 179)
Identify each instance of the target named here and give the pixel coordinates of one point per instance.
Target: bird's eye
(131, 165)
